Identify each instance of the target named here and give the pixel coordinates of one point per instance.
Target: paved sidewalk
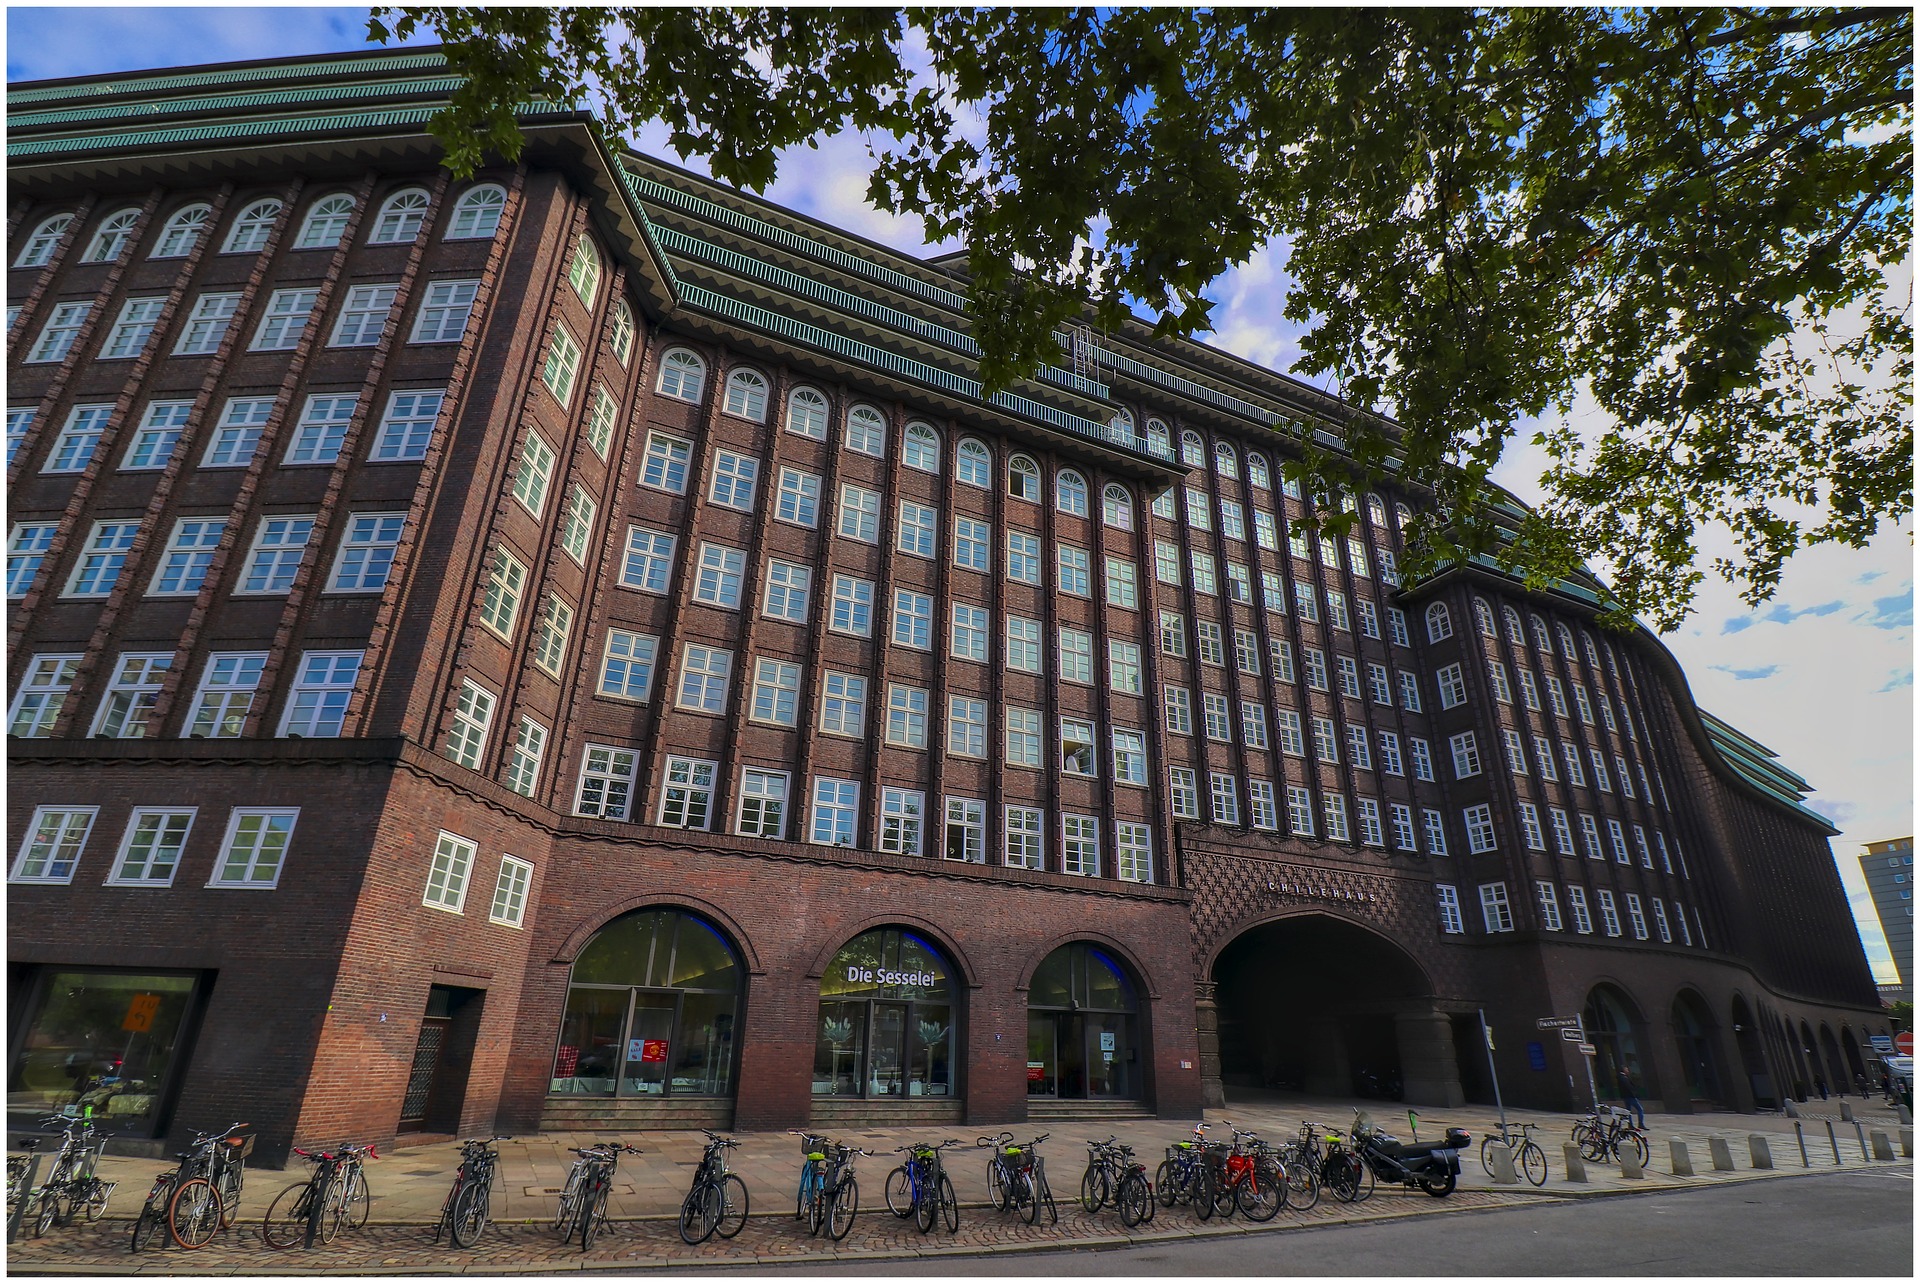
(410, 1185)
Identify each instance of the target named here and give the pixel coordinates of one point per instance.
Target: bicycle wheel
(733, 1206)
(1094, 1188)
(356, 1200)
(1201, 1190)
(996, 1186)
(1261, 1193)
(926, 1206)
(1364, 1191)
(1133, 1200)
(470, 1211)
(230, 1186)
(193, 1215)
(48, 1215)
(1533, 1162)
(1166, 1187)
(569, 1207)
(846, 1204)
(1486, 1153)
(1302, 1186)
(1592, 1143)
(949, 1204)
(899, 1192)
(593, 1215)
(1639, 1144)
(1225, 1192)
(145, 1227)
(817, 1211)
(286, 1220)
(93, 1201)
(700, 1213)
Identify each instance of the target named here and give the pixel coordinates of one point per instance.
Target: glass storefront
(652, 1011)
(1083, 1027)
(104, 1041)
(887, 1025)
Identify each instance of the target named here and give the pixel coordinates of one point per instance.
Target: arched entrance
(1856, 1068)
(1315, 1004)
(1693, 1036)
(1808, 1049)
(653, 1007)
(1753, 1059)
(1084, 1040)
(1613, 1030)
(1835, 1071)
(888, 1026)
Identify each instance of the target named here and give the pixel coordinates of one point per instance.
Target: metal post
(318, 1208)
(1861, 1133)
(22, 1199)
(1801, 1137)
(1834, 1142)
(1487, 1036)
(1592, 1089)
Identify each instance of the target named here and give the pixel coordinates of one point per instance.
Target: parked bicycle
(470, 1201)
(920, 1188)
(1325, 1150)
(1114, 1176)
(1247, 1176)
(1185, 1176)
(1601, 1138)
(566, 1217)
(206, 1197)
(1016, 1179)
(717, 1201)
(73, 1187)
(829, 1189)
(1528, 1158)
(19, 1170)
(334, 1197)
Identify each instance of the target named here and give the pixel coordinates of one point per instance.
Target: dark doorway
(442, 1057)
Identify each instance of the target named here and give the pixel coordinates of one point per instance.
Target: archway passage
(1753, 1058)
(1614, 1031)
(1693, 1037)
(1314, 1004)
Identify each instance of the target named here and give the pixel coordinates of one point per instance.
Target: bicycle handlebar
(1001, 1140)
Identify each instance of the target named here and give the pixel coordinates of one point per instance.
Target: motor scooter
(1433, 1166)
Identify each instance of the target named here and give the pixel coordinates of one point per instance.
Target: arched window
(1116, 507)
(1158, 439)
(807, 413)
(1566, 640)
(887, 1020)
(922, 448)
(112, 237)
(326, 223)
(1225, 462)
(1083, 1027)
(182, 232)
(583, 274)
(400, 218)
(1192, 452)
(1121, 425)
(683, 375)
(1542, 640)
(867, 431)
(1023, 479)
(1516, 633)
(653, 1009)
(1593, 652)
(1257, 472)
(1439, 623)
(620, 330)
(39, 247)
(1402, 516)
(476, 215)
(250, 231)
(1377, 512)
(974, 464)
(747, 395)
(1070, 493)
(1484, 615)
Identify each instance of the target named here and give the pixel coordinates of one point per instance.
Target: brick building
(576, 645)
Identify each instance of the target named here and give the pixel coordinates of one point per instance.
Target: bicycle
(1247, 1176)
(919, 1187)
(568, 1212)
(1114, 1175)
(717, 1201)
(1601, 1139)
(1528, 1158)
(1016, 1180)
(18, 1169)
(73, 1186)
(596, 1186)
(836, 1194)
(329, 1201)
(206, 1195)
(1185, 1176)
(470, 1201)
(1098, 1182)
(1329, 1157)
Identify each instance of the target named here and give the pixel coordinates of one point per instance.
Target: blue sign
(1536, 1057)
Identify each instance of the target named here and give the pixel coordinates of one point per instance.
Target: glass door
(887, 1051)
(648, 1044)
(1043, 1063)
(1072, 1041)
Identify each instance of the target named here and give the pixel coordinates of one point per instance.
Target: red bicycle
(1246, 1175)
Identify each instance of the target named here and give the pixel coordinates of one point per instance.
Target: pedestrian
(1820, 1082)
(1630, 1097)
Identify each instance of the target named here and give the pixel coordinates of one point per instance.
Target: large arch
(1695, 1037)
(1834, 1070)
(1808, 1047)
(1618, 1032)
(1313, 1002)
(1856, 1066)
(1753, 1056)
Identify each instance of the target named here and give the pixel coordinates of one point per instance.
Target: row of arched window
(1440, 628)
(476, 215)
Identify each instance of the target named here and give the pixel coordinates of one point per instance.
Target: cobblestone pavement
(409, 1186)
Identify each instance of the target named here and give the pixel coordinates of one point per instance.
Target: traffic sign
(1556, 1023)
(1588, 1050)
(1575, 1035)
(1903, 1043)
(1881, 1042)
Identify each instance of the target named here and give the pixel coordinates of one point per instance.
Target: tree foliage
(1691, 217)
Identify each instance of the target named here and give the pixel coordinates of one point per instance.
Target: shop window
(887, 1020)
(651, 1011)
(107, 1041)
(1083, 1027)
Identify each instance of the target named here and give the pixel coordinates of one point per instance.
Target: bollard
(1793, 1111)
(1846, 1112)
(1630, 1164)
(19, 1210)
(1801, 1137)
(1501, 1159)
(1682, 1161)
(1861, 1134)
(1906, 1119)
(1834, 1142)
(1576, 1166)
(1906, 1143)
(1758, 1150)
(1722, 1154)
(1882, 1145)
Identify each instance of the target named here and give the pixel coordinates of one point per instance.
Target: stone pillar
(1428, 1067)
(1328, 1072)
(1206, 1018)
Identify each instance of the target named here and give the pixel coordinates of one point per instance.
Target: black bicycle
(716, 1204)
(330, 1200)
(470, 1201)
(920, 1188)
(1528, 1158)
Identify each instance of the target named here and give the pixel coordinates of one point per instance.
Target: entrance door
(426, 1060)
(887, 1052)
(1071, 1039)
(645, 1070)
(1043, 1057)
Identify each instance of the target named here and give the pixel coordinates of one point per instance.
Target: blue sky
(1823, 673)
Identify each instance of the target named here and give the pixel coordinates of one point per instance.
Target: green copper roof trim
(259, 128)
(119, 112)
(772, 274)
(919, 371)
(115, 85)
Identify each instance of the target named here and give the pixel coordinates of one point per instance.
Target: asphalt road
(1852, 1225)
